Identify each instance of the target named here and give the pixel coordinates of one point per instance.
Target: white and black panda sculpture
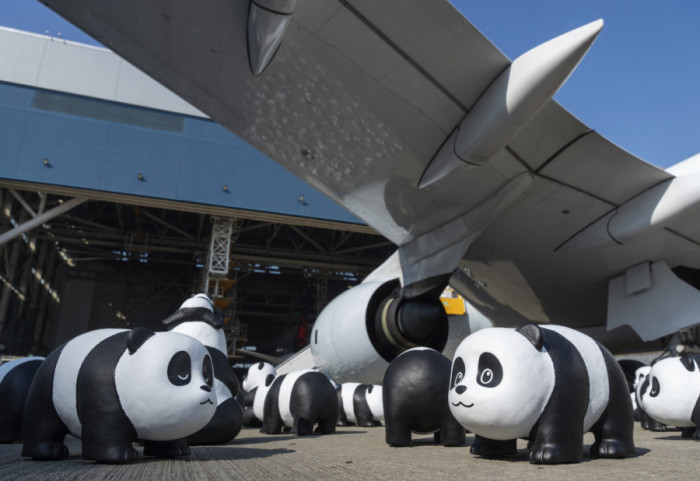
(671, 393)
(15, 378)
(414, 397)
(298, 400)
(111, 387)
(197, 317)
(549, 385)
(360, 404)
(645, 421)
(259, 397)
(257, 374)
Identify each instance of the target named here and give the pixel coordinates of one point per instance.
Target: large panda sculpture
(257, 374)
(414, 397)
(197, 317)
(671, 393)
(299, 400)
(360, 404)
(15, 378)
(111, 387)
(549, 385)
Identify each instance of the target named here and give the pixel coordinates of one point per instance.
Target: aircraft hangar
(120, 200)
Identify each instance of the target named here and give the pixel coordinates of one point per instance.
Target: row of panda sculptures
(169, 390)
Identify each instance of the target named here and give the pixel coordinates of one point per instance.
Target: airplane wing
(359, 97)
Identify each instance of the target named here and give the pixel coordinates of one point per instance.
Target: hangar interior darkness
(126, 264)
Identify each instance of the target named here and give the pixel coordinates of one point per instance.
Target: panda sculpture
(629, 368)
(259, 397)
(111, 387)
(549, 385)
(360, 404)
(646, 421)
(298, 400)
(15, 378)
(257, 374)
(671, 393)
(197, 317)
(414, 397)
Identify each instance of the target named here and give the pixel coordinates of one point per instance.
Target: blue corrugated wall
(104, 147)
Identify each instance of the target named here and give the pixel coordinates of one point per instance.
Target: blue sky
(638, 85)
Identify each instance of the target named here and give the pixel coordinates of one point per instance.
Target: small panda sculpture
(260, 395)
(15, 378)
(546, 384)
(629, 368)
(198, 318)
(110, 387)
(298, 400)
(414, 396)
(671, 393)
(257, 374)
(360, 404)
(646, 421)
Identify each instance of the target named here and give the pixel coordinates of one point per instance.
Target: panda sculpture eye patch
(180, 369)
(490, 371)
(208, 371)
(655, 387)
(457, 372)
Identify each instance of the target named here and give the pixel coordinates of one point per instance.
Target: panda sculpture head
(199, 318)
(164, 383)
(257, 373)
(500, 382)
(671, 390)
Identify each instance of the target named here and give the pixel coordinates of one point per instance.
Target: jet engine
(358, 334)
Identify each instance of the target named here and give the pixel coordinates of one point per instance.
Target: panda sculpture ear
(137, 337)
(186, 314)
(687, 362)
(534, 334)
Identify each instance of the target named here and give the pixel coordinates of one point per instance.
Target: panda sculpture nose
(460, 389)
(205, 388)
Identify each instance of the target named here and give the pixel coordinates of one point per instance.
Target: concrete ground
(360, 453)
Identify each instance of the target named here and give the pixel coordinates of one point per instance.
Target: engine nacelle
(358, 334)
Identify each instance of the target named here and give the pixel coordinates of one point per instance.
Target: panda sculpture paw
(552, 454)
(166, 449)
(611, 448)
(47, 450)
(489, 448)
(117, 454)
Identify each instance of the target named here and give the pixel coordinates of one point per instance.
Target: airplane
(405, 114)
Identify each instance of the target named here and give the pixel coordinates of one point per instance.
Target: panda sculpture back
(111, 387)
(414, 395)
(360, 404)
(546, 384)
(197, 317)
(15, 378)
(298, 401)
(671, 393)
